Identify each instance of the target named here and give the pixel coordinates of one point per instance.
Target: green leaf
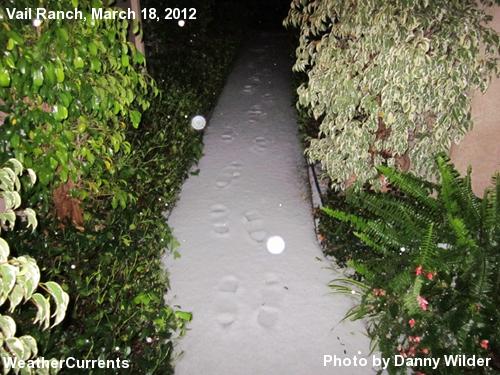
(15, 346)
(30, 346)
(32, 176)
(8, 273)
(31, 217)
(125, 61)
(37, 76)
(15, 297)
(184, 316)
(135, 116)
(4, 77)
(4, 250)
(16, 165)
(60, 112)
(59, 74)
(61, 299)
(43, 310)
(10, 44)
(7, 326)
(78, 62)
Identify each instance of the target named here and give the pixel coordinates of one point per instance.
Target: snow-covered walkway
(255, 313)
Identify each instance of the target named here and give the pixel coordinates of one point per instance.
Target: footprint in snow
(228, 135)
(254, 225)
(255, 114)
(226, 306)
(273, 294)
(220, 225)
(228, 175)
(248, 89)
(255, 79)
(261, 144)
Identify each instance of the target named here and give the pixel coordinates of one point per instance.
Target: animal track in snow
(227, 308)
(228, 175)
(272, 296)
(220, 226)
(254, 225)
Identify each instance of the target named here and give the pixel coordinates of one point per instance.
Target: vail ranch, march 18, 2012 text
(100, 14)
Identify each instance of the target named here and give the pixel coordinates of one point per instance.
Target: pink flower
(411, 322)
(485, 344)
(430, 275)
(422, 302)
(415, 339)
(419, 270)
(425, 351)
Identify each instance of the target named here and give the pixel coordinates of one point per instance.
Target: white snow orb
(181, 23)
(198, 122)
(275, 245)
(37, 22)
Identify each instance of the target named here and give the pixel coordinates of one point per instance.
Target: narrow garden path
(254, 312)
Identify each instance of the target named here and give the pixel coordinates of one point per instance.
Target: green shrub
(69, 92)
(430, 284)
(20, 277)
(389, 82)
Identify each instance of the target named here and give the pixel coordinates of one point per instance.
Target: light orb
(181, 23)
(198, 122)
(275, 245)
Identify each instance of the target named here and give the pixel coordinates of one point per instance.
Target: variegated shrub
(20, 276)
(390, 81)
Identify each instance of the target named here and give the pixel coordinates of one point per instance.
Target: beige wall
(481, 146)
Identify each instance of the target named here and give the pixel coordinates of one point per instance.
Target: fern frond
(384, 234)
(400, 282)
(490, 211)
(412, 186)
(462, 234)
(410, 300)
(448, 192)
(371, 243)
(427, 250)
(358, 222)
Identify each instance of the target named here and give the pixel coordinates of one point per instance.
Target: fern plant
(430, 285)
(20, 279)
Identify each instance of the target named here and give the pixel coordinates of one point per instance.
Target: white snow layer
(254, 312)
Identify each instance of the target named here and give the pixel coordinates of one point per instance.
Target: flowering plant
(430, 285)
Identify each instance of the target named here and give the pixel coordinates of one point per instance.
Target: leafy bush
(68, 93)
(20, 276)
(430, 284)
(389, 82)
